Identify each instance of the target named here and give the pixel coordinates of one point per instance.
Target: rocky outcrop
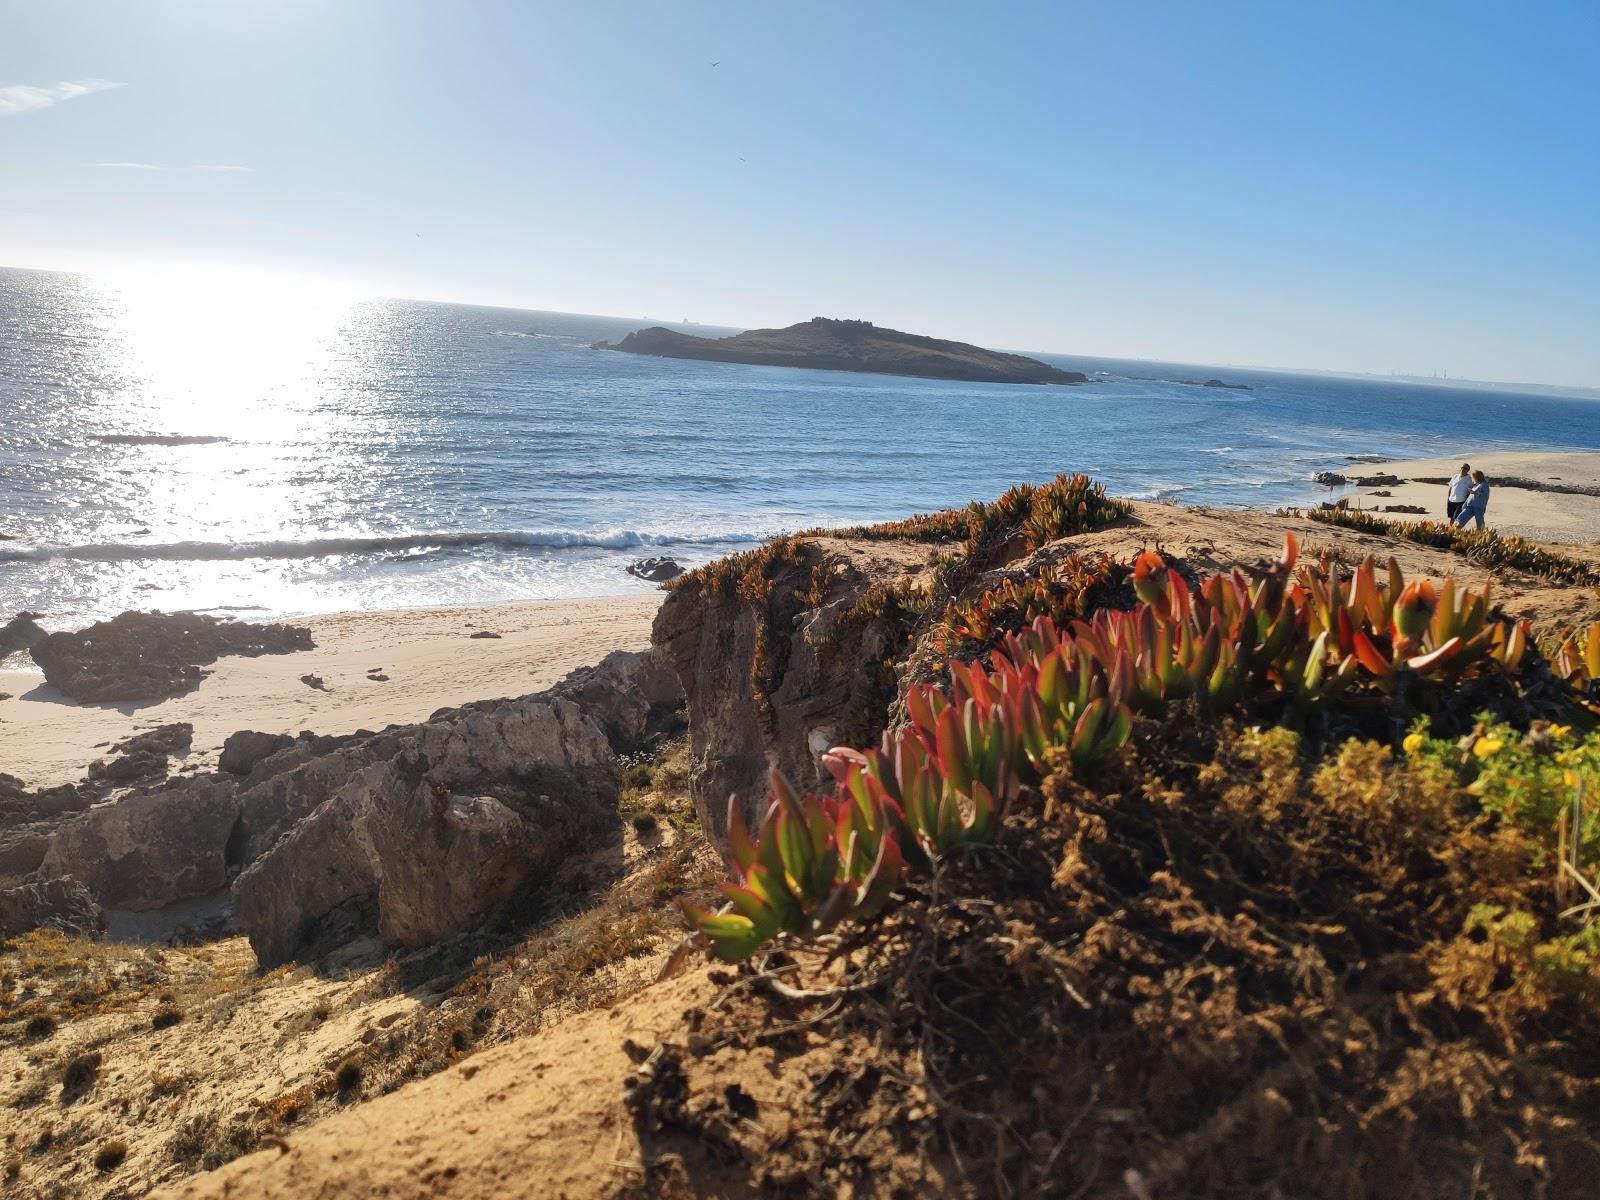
(465, 815)
(775, 682)
(413, 832)
(62, 903)
(148, 656)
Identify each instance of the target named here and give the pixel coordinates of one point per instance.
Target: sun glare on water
(220, 352)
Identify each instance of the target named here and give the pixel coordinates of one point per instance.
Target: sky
(1366, 187)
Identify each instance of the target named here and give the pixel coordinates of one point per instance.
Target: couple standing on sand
(1468, 497)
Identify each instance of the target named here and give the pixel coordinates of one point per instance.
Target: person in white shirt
(1457, 494)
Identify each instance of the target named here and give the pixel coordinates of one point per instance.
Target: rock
(151, 847)
(5, 695)
(1329, 479)
(176, 738)
(244, 749)
(22, 632)
(1404, 508)
(1383, 493)
(60, 903)
(656, 570)
(147, 656)
(484, 633)
(470, 810)
(141, 764)
(314, 682)
(632, 694)
(1377, 480)
(830, 683)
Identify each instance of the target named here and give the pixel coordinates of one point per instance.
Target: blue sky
(1380, 187)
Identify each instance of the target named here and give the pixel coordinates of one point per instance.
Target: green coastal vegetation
(1312, 836)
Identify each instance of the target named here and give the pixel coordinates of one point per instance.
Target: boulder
(474, 806)
(246, 748)
(22, 632)
(1377, 480)
(151, 847)
(176, 738)
(658, 569)
(60, 903)
(633, 694)
(128, 768)
(147, 656)
(1329, 479)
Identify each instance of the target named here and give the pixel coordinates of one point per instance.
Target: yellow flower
(1413, 743)
(1570, 778)
(1560, 730)
(1484, 747)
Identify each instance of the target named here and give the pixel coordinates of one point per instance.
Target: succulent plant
(1286, 633)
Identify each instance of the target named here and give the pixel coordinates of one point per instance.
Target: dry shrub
(1228, 970)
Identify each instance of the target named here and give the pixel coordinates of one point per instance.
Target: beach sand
(430, 659)
(1544, 515)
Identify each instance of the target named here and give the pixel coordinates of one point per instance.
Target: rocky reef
(148, 656)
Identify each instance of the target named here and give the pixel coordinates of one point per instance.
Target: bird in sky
(717, 63)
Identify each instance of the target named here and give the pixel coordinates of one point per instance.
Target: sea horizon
(169, 451)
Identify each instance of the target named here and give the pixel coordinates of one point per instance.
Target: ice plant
(1282, 634)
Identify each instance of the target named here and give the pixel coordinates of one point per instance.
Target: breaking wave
(515, 539)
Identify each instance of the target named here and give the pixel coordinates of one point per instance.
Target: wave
(157, 439)
(401, 543)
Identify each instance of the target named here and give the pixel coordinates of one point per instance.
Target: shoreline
(1548, 495)
(428, 655)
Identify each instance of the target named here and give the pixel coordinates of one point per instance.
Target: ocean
(264, 451)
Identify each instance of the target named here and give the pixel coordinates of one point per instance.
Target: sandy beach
(429, 656)
(1537, 511)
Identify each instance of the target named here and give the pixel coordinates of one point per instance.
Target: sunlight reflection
(221, 352)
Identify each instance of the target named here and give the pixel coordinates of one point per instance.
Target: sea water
(278, 452)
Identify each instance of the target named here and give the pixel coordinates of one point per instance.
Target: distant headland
(828, 345)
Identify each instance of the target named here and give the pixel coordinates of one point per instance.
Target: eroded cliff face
(786, 658)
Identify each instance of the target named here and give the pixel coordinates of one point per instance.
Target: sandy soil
(1547, 516)
(560, 1092)
(429, 656)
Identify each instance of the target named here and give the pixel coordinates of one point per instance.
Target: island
(830, 345)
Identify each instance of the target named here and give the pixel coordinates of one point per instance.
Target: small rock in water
(314, 681)
(484, 633)
(658, 569)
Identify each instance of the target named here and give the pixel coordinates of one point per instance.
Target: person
(1477, 502)
(1456, 495)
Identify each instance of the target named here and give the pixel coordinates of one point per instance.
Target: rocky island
(828, 345)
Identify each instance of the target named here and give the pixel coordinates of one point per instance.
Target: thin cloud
(18, 98)
(227, 168)
(130, 166)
